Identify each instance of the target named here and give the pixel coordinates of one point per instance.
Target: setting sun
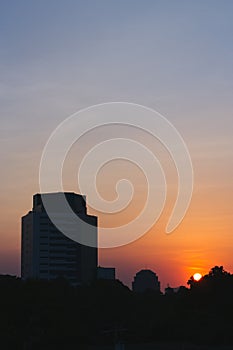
(197, 276)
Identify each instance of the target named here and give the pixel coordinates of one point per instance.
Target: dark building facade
(145, 280)
(46, 253)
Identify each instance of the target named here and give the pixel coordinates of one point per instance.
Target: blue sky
(159, 45)
(59, 56)
(175, 56)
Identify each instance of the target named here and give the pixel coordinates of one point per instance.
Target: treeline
(53, 315)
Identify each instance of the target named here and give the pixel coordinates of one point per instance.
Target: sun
(197, 276)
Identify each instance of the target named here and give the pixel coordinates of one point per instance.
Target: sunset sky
(57, 57)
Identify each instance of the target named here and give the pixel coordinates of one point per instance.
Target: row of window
(60, 272)
(61, 244)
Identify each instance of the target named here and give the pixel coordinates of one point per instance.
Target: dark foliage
(53, 315)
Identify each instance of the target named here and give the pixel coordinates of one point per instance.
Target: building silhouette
(145, 280)
(46, 253)
(106, 273)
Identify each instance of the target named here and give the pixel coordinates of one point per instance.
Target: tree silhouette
(218, 272)
(217, 281)
(54, 315)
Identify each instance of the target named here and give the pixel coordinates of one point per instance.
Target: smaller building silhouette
(145, 280)
(106, 273)
(171, 291)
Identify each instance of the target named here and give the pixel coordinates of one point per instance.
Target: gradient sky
(174, 56)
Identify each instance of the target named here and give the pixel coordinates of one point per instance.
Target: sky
(57, 57)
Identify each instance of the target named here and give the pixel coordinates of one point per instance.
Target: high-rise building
(145, 280)
(46, 253)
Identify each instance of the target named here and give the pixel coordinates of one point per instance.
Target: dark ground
(42, 315)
